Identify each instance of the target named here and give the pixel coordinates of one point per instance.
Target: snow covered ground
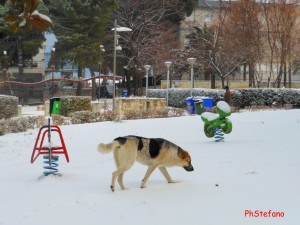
(256, 168)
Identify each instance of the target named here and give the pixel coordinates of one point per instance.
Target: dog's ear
(183, 154)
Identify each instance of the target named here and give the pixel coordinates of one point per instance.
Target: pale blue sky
(51, 39)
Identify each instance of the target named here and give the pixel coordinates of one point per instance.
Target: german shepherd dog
(152, 152)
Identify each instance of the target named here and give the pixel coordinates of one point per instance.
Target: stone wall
(128, 104)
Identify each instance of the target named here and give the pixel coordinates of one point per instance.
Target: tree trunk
(270, 73)
(290, 75)
(284, 75)
(278, 79)
(212, 80)
(135, 83)
(23, 89)
(251, 75)
(223, 81)
(140, 84)
(79, 86)
(94, 96)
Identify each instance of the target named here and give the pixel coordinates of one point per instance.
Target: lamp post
(116, 29)
(192, 62)
(168, 64)
(53, 51)
(4, 71)
(101, 50)
(147, 67)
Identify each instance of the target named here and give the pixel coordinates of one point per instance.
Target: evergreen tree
(21, 45)
(80, 27)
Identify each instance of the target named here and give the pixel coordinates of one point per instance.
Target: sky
(50, 39)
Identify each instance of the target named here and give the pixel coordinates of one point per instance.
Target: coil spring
(218, 133)
(52, 167)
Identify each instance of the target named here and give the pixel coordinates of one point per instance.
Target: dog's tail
(107, 148)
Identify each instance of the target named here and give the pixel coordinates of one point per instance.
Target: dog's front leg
(164, 172)
(148, 173)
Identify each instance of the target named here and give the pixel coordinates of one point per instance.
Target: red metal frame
(45, 150)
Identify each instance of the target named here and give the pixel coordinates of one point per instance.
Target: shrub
(130, 114)
(81, 117)
(109, 115)
(239, 97)
(41, 121)
(21, 124)
(71, 104)
(152, 113)
(8, 106)
(59, 120)
(3, 126)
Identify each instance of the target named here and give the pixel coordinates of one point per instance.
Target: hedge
(240, 97)
(8, 106)
(71, 104)
(17, 124)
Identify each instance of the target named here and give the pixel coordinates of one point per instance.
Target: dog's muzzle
(189, 168)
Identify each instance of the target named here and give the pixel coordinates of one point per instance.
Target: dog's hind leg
(115, 174)
(148, 173)
(120, 181)
(124, 159)
(164, 172)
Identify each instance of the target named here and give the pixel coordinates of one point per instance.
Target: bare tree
(244, 24)
(155, 33)
(281, 30)
(144, 18)
(221, 50)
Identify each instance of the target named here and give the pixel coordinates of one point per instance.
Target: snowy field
(256, 168)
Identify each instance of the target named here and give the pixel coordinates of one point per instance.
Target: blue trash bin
(125, 94)
(190, 105)
(208, 102)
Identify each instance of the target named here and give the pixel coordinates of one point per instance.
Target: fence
(40, 91)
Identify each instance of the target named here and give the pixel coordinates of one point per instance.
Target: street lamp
(4, 71)
(192, 62)
(116, 29)
(147, 67)
(168, 64)
(53, 51)
(101, 50)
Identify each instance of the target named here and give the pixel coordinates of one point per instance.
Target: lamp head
(122, 29)
(102, 48)
(4, 52)
(53, 49)
(118, 48)
(147, 67)
(191, 61)
(168, 63)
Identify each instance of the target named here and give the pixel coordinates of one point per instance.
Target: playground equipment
(50, 153)
(216, 124)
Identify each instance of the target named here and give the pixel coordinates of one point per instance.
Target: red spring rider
(50, 153)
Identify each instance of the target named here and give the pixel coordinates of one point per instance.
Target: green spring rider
(216, 124)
